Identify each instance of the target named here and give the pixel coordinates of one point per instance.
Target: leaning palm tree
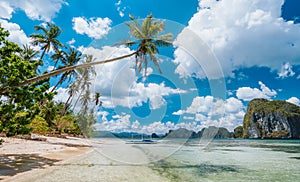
(48, 38)
(148, 38)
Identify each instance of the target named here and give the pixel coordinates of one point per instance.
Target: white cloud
(93, 27)
(62, 94)
(211, 115)
(34, 9)
(71, 42)
(5, 10)
(247, 93)
(120, 125)
(209, 111)
(294, 100)
(241, 34)
(119, 9)
(286, 71)
(17, 35)
(117, 81)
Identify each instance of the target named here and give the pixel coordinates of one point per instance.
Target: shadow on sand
(12, 164)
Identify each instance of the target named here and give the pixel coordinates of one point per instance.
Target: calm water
(181, 161)
(233, 160)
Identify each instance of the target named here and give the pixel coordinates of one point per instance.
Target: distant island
(264, 119)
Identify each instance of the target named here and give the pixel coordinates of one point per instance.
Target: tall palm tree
(48, 38)
(70, 58)
(84, 78)
(148, 37)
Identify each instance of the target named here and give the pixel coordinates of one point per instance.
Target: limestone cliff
(271, 119)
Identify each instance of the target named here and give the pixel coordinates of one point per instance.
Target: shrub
(39, 125)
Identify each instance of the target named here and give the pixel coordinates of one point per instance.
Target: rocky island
(271, 119)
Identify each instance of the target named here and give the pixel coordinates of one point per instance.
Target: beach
(176, 160)
(72, 159)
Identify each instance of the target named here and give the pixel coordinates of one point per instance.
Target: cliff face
(271, 119)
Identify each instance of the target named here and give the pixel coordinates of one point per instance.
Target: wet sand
(107, 160)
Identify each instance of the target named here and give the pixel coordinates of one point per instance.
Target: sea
(232, 160)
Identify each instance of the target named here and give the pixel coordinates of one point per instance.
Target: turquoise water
(233, 160)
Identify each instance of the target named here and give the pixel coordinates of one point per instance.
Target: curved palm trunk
(70, 68)
(59, 71)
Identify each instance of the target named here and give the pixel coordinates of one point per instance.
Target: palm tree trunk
(43, 54)
(52, 90)
(59, 71)
(66, 104)
(70, 68)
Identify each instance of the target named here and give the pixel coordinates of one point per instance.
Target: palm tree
(148, 37)
(48, 38)
(96, 98)
(28, 53)
(84, 78)
(68, 59)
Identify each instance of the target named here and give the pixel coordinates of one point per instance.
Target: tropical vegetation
(26, 98)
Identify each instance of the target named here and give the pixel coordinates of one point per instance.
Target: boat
(142, 141)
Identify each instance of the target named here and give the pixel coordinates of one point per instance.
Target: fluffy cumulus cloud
(240, 34)
(17, 35)
(93, 27)
(209, 111)
(294, 100)
(34, 9)
(5, 10)
(248, 93)
(118, 83)
(202, 113)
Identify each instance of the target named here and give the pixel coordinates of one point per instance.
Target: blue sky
(224, 55)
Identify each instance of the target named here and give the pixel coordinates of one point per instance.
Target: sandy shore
(18, 157)
(75, 159)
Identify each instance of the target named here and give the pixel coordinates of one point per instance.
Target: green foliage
(67, 124)
(149, 38)
(238, 132)
(18, 105)
(86, 122)
(39, 125)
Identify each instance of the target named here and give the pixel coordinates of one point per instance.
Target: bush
(39, 125)
(67, 124)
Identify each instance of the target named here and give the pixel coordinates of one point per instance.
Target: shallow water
(181, 161)
(234, 160)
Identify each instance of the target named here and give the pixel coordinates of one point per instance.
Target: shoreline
(74, 159)
(22, 157)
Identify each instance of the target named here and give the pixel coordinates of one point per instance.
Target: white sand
(107, 160)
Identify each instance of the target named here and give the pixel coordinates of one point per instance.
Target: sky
(225, 53)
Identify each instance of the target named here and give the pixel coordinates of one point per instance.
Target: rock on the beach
(271, 119)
